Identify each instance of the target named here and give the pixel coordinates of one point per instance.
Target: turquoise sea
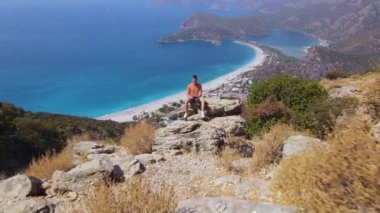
(95, 57)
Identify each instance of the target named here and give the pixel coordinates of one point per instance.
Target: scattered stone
(297, 144)
(229, 205)
(226, 180)
(246, 187)
(376, 131)
(20, 186)
(345, 91)
(175, 152)
(271, 174)
(71, 196)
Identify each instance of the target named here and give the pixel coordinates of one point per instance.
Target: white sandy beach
(128, 114)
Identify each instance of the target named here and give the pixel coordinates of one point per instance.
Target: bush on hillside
(139, 138)
(333, 75)
(296, 93)
(321, 117)
(42, 136)
(340, 177)
(26, 135)
(136, 196)
(265, 115)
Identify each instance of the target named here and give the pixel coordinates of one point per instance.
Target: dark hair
(195, 76)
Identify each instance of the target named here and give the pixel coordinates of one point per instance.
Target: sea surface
(95, 57)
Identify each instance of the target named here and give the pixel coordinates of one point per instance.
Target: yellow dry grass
(139, 138)
(79, 138)
(226, 158)
(44, 166)
(343, 176)
(368, 83)
(268, 148)
(135, 196)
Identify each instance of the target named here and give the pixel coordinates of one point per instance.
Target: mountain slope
(24, 135)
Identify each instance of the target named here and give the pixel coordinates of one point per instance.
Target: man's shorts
(195, 101)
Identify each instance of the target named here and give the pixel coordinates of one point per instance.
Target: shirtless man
(194, 94)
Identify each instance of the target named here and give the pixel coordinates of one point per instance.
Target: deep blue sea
(95, 57)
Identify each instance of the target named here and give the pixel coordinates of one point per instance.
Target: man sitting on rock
(194, 95)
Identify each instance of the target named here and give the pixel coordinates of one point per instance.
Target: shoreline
(128, 114)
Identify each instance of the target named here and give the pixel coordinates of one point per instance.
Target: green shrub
(42, 136)
(296, 93)
(321, 117)
(166, 108)
(335, 75)
(24, 135)
(265, 115)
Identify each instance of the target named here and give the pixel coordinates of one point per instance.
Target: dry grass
(45, 166)
(243, 146)
(368, 83)
(268, 148)
(79, 138)
(136, 196)
(139, 138)
(341, 177)
(226, 158)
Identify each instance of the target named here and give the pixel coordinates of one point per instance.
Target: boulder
(30, 205)
(215, 107)
(198, 135)
(297, 144)
(229, 205)
(147, 159)
(20, 186)
(88, 147)
(226, 180)
(80, 177)
(192, 136)
(129, 165)
(85, 147)
(376, 131)
(223, 107)
(234, 125)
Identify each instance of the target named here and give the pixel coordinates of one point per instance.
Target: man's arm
(200, 94)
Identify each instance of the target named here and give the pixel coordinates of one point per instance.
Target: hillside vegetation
(24, 135)
(306, 146)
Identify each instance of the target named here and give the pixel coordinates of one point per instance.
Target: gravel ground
(190, 174)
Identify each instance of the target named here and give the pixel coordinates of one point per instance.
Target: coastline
(128, 114)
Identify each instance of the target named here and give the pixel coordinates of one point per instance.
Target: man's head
(194, 79)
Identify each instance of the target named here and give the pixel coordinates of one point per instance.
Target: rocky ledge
(192, 142)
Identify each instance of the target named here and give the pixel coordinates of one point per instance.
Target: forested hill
(24, 135)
